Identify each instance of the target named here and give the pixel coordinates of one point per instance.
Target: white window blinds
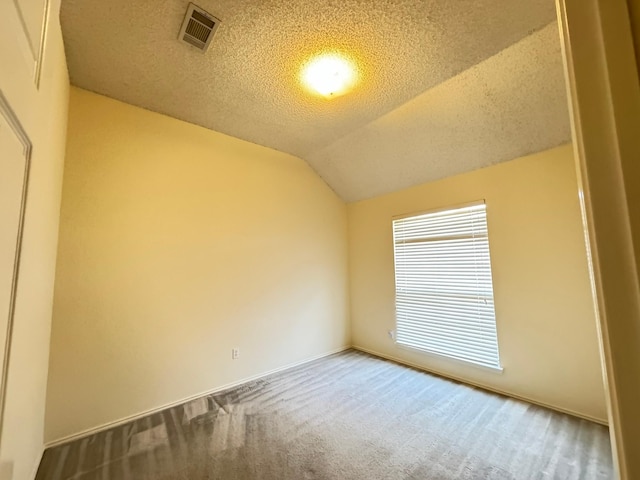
(444, 294)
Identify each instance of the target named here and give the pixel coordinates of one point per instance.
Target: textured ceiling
(510, 105)
(445, 86)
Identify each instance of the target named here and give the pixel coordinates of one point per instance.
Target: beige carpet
(348, 416)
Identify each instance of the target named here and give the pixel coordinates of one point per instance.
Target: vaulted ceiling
(444, 86)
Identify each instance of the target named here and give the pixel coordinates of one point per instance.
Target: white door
(13, 163)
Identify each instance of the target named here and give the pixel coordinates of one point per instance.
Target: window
(444, 293)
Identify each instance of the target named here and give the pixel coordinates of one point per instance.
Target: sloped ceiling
(444, 86)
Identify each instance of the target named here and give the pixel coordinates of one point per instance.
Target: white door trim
(604, 96)
(21, 135)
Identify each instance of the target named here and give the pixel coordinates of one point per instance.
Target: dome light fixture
(329, 75)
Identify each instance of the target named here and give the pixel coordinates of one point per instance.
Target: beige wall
(177, 244)
(545, 318)
(42, 113)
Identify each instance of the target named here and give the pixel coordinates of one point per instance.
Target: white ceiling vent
(198, 27)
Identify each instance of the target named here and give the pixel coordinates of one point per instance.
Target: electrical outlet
(235, 353)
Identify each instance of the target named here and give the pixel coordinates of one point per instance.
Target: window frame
(497, 368)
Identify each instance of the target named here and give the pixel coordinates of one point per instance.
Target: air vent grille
(198, 27)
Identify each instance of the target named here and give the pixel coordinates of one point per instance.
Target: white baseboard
(136, 416)
(115, 423)
(483, 387)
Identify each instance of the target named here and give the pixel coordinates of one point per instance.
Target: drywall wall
(545, 319)
(178, 244)
(42, 113)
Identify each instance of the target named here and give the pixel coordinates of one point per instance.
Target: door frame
(604, 103)
(5, 350)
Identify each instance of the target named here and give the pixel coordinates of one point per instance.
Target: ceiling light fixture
(329, 75)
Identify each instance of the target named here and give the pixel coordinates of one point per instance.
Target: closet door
(14, 155)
